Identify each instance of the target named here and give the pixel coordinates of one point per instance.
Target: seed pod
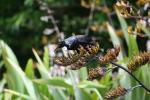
(138, 61)
(77, 60)
(64, 61)
(110, 55)
(112, 94)
(93, 49)
(95, 73)
(77, 65)
(87, 53)
(124, 8)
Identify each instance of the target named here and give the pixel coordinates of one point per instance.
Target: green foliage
(27, 86)
(130, 39)
(29, 69)
(22, 29)
(46, 59)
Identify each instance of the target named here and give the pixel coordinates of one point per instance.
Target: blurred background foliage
(27, 24)
(20, 21)
(22, 29)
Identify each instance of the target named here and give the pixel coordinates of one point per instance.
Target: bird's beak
(57, 48)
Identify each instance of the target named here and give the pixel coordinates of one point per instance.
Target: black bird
(73, 42)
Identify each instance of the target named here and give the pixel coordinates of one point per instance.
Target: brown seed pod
(87, 53)
(77, 60)
(64, 61)
(138, 61)
(110, 55)
(77, 65)
(112, 94)
(124, 8)
(95, 73)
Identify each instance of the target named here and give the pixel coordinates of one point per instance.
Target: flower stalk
(123, 68)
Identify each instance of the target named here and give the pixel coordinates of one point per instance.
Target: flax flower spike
(94, 73)
(118, 92)
(77, 60)
(110, 55)
(139, 60)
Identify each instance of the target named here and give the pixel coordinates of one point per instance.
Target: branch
(90, 17)
(142, 85)
(46, 8)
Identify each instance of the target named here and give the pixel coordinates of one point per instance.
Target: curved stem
(135, 87)
(142, 85)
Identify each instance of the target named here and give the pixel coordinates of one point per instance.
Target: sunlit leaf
(89, 84)
(11, 77)
(130, 39)
(58, 94)
(42, 69)
(53, 82)
(17, 94)
(29, 69)
(46, 59)
(28, 83)
(2, 83)
(115, 39)
(80, 94)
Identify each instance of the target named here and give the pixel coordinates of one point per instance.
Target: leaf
(1, 64)
(42, 69)
(83, 73)
(98, 94)
(59, 95)
(146, 30)
(7, 96)
(133, 47)
(44, 73)
(17, 94)
(53, 82)
(2, 83)
(80, 94)
(29, 69)
(1, 96)
(11, 77)
(115, 39)
(7, 52)
(113, 35)
(124, 27)
(55, 92)
(28, 83)
(46, 59)
(44, 91)
(89, 84)
(130, 39)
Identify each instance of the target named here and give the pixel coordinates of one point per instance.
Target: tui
(73, 42)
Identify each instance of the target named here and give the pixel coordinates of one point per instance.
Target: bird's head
(60, 45)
